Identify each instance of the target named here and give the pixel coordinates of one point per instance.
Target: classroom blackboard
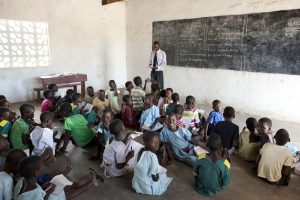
(262, 42)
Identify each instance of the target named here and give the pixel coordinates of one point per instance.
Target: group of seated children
(170, 130)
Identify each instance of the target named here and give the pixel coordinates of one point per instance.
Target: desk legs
(83, 89)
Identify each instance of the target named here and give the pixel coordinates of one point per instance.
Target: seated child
(179, 140)
(4, 146)
(171, 106)
(112, 95)
(161, 101)
(178, 110)
(54, 89)
(10, 169)
(138, 95)
(101, 103)
(275, 161)
(190, 115)
(129, 87)
(75, 126)
(67, 98)
(12, 115)
(78, 108)
(150, 118)
(103, 133)
(129, 117)
(47, 102)
(155, 90)
(169, 92)
(149, 177)
(213, 118)
(118, 155)
(212, 171)
(249, 141)
(20, 130)
(264, 126)
(5, 124)
(228, 131)
(31, 168)
(42, 138)
(90, 96)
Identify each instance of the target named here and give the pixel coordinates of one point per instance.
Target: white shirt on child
(41, 139)
(6, 186)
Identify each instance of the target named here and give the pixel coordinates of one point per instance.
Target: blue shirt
(214, 117)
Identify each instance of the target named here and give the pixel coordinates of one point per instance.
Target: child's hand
(48, 187)
(129, 155)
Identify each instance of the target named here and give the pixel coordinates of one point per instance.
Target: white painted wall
(271, 95)
(85, 37)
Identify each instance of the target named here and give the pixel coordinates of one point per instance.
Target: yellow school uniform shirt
(273, 157)
(101, 105)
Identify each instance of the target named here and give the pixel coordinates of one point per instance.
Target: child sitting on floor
(4, 146)
(155, 90)
(78, 108)
(161, 101)
(150, 118)
(129, 87)
(168, 99)
(190, 115)
(264, 126)
(47, 102)
(117, 156)
(75, 126)
(20, 130)
(179, 140)
(275, 161)
(129, 117)
(112, 95)
(90, 96)
(101, 103)
(249, 141)
(138, 95)
(149, 177)
(228, 131)
(54, 89)
(67, 98)
(5, 124)
(102, 133)
(10, 170)
(12, 115)
(42, 138)
(212, 171)
(171, 106)
(213, 118)
(178, 110)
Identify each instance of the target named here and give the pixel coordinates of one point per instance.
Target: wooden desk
(65, 79)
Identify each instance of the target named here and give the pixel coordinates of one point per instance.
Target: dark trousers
(159, 77)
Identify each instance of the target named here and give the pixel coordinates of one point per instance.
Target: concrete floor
(244, 185)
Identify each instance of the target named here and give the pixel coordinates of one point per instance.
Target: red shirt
(128, 117)
(46, 105)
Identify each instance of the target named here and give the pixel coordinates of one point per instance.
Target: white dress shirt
(161, 59)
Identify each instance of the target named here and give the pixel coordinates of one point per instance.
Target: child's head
(163, 93)
(137, 81)
(216, 105)
(13, 159)
(264, 125)
(148, 101)
(4, 103)
(282, 137)
(47, 118)
(53, 87)
(127, 100)
(4, 113)
(117, 128)
(70, 93)
(178, 110)
(171, 122)
(229, 113)
(112, 84)
(251, 124)
(90, 91)
(2, 97)
(175, 97)
(107, 116)
(190, 102)
(151, 141)
(101, 95)
(65, 109)
(27, 111)
(76, 98)
(31, 167)
(214, 143)
(169, 92)
(129, 85)
(4, 144)
(48, 94)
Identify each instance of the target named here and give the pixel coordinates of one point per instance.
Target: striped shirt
(138, 95)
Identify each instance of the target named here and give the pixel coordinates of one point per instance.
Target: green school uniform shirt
(211, 177)
(77, 125)
(19, 128)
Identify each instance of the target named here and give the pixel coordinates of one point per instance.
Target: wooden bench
(68, 85)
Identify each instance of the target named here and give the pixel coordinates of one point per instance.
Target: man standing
(158, 62)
